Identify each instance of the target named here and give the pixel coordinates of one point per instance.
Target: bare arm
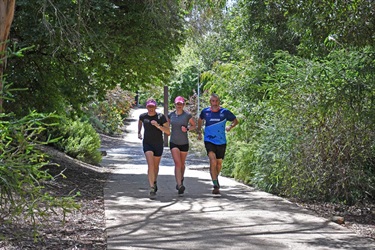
(232, 125)
(192, 124)
(199, 129)
(164, 128)
(139, 129)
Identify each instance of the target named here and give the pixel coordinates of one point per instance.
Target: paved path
(242, 218)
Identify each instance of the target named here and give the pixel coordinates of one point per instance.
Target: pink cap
(151, 103)
(179, 99)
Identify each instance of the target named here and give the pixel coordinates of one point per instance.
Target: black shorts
(156, 148)
(219, 150)
(182, 148)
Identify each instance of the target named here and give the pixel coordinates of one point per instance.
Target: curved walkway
(242, 218)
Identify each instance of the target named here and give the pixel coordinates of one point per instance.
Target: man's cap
(151, 103)
(179, 99)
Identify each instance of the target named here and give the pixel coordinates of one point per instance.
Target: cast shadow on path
(240, 218)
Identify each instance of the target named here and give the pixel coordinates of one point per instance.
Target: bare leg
(156, 166)
(213, 165)
(218, 167)
(179, 162)
(183, 156)
(153, 167)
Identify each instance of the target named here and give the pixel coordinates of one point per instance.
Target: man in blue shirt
(215, 118)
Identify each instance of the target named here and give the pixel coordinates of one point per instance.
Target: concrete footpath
(241, 218)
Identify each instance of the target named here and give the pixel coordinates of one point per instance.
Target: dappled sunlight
(240, 218)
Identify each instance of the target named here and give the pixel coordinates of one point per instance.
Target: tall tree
(83, 48)
(303, 27)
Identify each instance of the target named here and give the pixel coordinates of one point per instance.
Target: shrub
(306, 126)
(79, 140)
(107, 119)
(318, 127)
(107, 116)
(21, 170)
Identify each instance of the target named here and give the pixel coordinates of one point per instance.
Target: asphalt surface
(240, 218)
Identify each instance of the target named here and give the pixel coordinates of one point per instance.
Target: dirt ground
(85, 228)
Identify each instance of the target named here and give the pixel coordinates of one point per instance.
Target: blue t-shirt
(214, 130)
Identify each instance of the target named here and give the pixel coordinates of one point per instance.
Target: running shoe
(216, 190)
(181, 189)
(182, 183)
(152, 192)
(156, 186)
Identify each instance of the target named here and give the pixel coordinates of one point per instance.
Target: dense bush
(107, 116)
(316, 133)
(22, 169)
(306, 128)
(79, 140)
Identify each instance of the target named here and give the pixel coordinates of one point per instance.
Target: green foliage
(306, 126)
(306, 123)
(306, 116)
(186, 79)
(107, 116)
(301, 27)
(121, 100)
(84, 48)
(315, 131)
(186, 85)
(240, 170)
(79, 140)
(22, 169)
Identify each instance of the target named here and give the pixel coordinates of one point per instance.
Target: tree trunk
(6, 18)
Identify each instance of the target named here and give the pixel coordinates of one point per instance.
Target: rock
(338, 219)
